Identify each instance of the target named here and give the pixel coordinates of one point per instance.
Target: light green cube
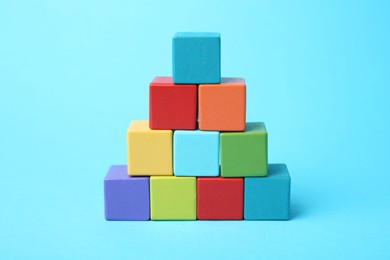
(245, 154)
(172, 198)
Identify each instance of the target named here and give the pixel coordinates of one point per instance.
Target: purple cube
(125, 198)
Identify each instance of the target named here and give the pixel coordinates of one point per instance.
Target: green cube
(172, 198)
(245, 154)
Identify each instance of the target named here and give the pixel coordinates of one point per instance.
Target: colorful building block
(222, 107)
(268, 198)
(220, 198)
(196, 58)
(172, 106)
(125, 198)
(196, 97)
(196, 153)
(245, 154)
(149, 152)
(173, 198)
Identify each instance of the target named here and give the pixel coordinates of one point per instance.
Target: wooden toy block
(149, 152)
(173, 198)
(125, 198)
(196, 153)
(220, 198)
(222, 107)
(196, 58)
(172, 106)
(268, 198)
(244, 154)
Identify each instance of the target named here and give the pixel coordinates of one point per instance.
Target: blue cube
(196, 58)
(268, 198)
(196, 153)
(126, 197)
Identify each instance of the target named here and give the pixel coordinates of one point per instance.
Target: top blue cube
(196, 58)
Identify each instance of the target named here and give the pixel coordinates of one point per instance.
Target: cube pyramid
(196, 157)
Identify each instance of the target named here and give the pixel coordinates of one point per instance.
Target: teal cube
(196, 153)
(196, 58)
(268, 198)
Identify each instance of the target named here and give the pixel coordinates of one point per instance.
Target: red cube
(172, 106)
(220, 198)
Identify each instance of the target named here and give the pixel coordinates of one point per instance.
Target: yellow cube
(149, 152)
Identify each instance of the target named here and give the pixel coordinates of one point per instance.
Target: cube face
(220, 198)
(173, 198)
(172, 106)
(125, 198)
(222, 106)
(145, 146)
(196, 58)
(196, 153)
(245, 154)
(268, 198)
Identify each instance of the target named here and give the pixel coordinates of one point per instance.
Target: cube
(222, 107)
(172, 106)
(245, 154)
(268, 198)
(125, 198)
(173, 198)
(196, 58)
(196, 153)
(220, 198)
(149, 152)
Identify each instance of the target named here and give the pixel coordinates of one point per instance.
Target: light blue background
(73, 74)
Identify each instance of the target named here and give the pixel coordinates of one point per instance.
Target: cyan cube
(196, 57)
(268, 198)
(196, 153)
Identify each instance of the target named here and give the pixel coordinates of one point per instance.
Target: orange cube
(222, 107)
